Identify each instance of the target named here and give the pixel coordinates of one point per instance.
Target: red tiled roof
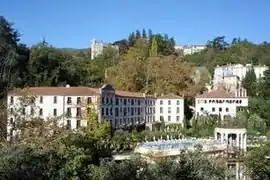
(216, 94)
(170, 96)
(72, 91)
(62, 91)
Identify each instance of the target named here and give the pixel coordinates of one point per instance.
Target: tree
(9, 38)
(144, 35)
(51, 67)
(249, 82)
(131, 39)
(129, 73)
(257, 163)
(138, 34)
(265, 85)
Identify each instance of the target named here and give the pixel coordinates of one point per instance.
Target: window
(161, 109)
(132, 101)
(78, 124)
(32, 111)
(41, 112)
(111, 101)
(117, 101)
(89, 100)
(169, 102)
(227, 109)
(169, 110)
(111, 111)
(116, 111)
(11, 100)
(177, 110)
(107, 112)
(161, 118)
(11, 120)
(55, 99)
(201, 108)
(102, 111)
(68, 124)
(11, 111)
(177, 118)
(161, 102)
(213, 109)
(54, 112)
(178, 102)
(79, 100)
(220, 109)
(23, 111)
(68, 112)
(69, 100)
(32, 99)
(125, 101)
(41, 99)
(79, 112)
(169, 118)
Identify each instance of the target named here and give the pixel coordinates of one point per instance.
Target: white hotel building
(121, 108)
(221, 103)
(231, 75)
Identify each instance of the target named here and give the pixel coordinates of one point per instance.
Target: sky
(72, 24)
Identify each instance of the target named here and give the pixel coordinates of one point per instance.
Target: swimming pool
(166, 145)
(176, 145)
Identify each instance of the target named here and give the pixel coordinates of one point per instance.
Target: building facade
(97, 48)
(71, 105)
(232, 75)
(190, 49)
(220, 103)
(170, 108)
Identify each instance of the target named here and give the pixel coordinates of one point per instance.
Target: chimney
(155, 94)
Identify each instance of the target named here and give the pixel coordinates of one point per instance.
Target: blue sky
(69, 23)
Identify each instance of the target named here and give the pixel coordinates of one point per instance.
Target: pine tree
(131, 39)
(264, 91)
(138, 34)
(249, 82)
(144, 35)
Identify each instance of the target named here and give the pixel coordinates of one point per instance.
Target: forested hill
(220, 51)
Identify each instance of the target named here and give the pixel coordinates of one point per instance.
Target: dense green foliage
(258, 162)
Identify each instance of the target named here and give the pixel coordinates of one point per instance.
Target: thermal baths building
(221, 103)
(121, 108)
